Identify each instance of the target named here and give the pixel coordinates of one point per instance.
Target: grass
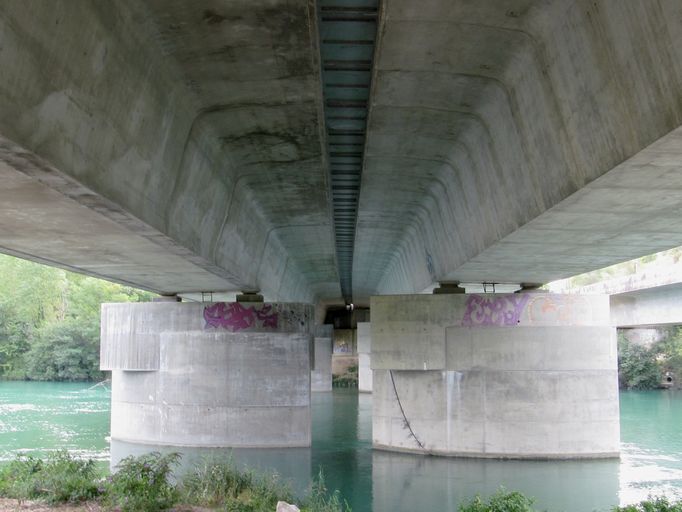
(145, 484)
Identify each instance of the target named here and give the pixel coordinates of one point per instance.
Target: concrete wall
(321, 373)
(192, 374)
(654, 306)
(364, 337)
(520, 376)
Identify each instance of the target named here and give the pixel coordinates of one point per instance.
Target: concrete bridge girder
(516, 143)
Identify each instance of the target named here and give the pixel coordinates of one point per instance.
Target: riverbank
(11, 505)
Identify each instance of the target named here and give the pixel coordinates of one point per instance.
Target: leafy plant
(60, 478)
(142, 483)
(320, 500)
(660, 504)
(501, 501)
(637, 366)
(220, 483)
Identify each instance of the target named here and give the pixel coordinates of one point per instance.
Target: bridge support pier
(321, 374)
(528, 375)
(218, 375)
(364, 357)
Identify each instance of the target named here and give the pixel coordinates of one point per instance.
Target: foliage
(214, 483)
(49, 321)
(320, 500)
(669, 355)
(501, 501)
(58, 479)
(221, 484)
(637, 366)
(143, 483)
(660, 504)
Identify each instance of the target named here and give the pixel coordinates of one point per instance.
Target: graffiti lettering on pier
(494, 311)
(235, 317)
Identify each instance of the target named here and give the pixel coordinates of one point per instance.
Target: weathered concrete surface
(321, 373)
(517, 376)
(490, 126)
(189, 129)
(364, 336)
(209, 386)
(651, 306)
(176, 146)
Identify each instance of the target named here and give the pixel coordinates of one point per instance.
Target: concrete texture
(191, 126)
(364, 336)
(510, 142)
(648, 307)
(511, 376)
(180, 146)
(321, 374)
(204, 386)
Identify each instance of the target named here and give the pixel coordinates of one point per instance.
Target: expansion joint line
(406, 422)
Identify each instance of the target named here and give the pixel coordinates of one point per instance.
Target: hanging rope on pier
(405, 420)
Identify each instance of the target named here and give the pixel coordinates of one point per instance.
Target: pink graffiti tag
(235, 317)
(494, 311)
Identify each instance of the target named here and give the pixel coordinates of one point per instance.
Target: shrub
(142, 483)
(320, 500)
(60, 478)
(637, 366)
(652, 505)
(501, 501)
(214, 483)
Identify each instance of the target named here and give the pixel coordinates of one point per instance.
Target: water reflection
(412, 482)
(41, 417)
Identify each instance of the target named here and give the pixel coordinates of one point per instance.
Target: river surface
(40, 417)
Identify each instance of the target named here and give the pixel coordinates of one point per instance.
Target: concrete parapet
(224, 374)
(511, 376)
(364, 357)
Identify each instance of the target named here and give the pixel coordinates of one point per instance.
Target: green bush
(320, 500)
(142, 483)
(219, 483)
(652, 505)
(60, 478)
(637, 366)
(501, 501)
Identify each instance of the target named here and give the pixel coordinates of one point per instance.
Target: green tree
(50, 320)
(637, 366)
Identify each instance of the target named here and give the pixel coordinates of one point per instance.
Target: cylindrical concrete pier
(196, 374)
(511, 376)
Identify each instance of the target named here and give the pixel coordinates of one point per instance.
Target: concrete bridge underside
(181, 147)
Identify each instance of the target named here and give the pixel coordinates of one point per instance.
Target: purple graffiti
(494, 311)
(235, 317)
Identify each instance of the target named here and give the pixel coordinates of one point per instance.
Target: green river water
(39, 417)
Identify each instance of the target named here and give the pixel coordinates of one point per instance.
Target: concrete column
(198, 374)
(528, 375)
(364, 356)
(321, 374)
